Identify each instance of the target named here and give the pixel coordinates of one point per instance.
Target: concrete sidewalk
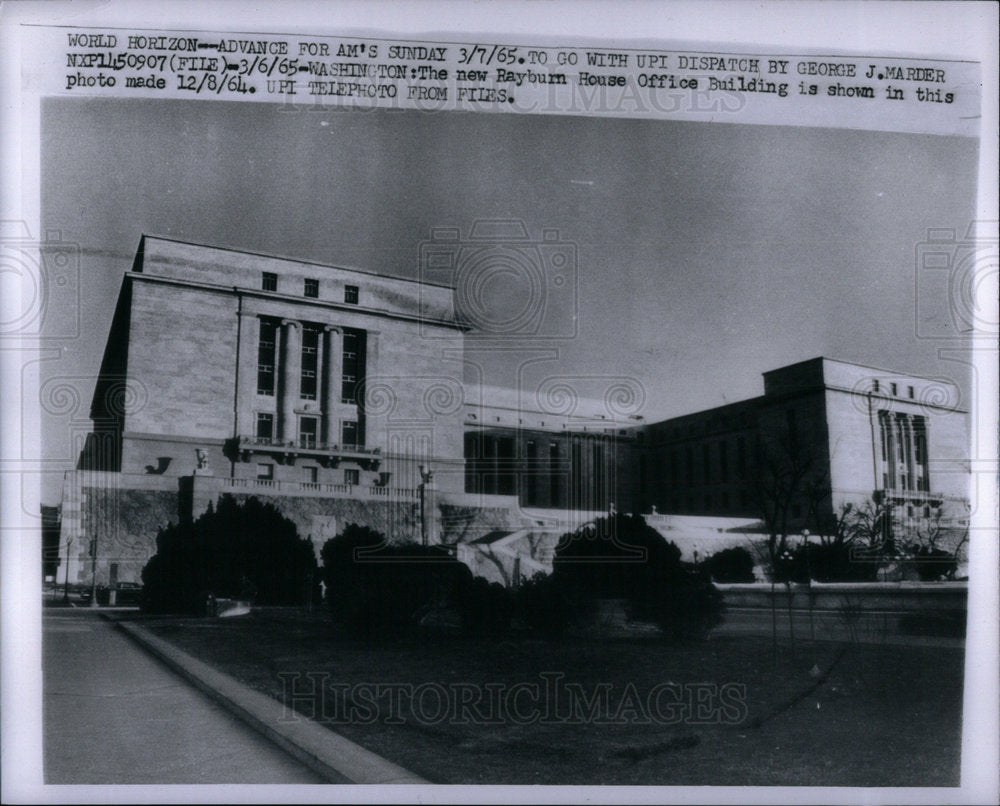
(114, 715)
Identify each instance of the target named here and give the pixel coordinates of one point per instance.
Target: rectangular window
(554, 496)
(875, 386)
(265, 472)
(311, 288)
(349, 433)
(269, 281)
(352, 476)
(350, 368)
(909, 392)
(531, 485)
(351, 294)
(310, 475)
(265, 428)
(266, 353)
(307, 432)
(892, 388)
(310, 362)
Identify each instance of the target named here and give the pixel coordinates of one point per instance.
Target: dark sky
(707, 254)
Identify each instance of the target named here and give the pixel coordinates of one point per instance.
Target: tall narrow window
(310, 475)
(307, 432)
(349, 433)
(351, 294)
(531, 477)
(265, 428)
(265, 357)
(311, 287)
(269, 281)
(310, 362)
(554, 495)
(350, 367)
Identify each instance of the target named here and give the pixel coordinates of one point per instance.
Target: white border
(966, 30)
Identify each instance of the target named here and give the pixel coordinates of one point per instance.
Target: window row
(267, 360)
(893, 389)
(310, 287)
(308, 431)
(310, 474)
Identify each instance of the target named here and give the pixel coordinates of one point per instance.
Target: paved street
(114, 715)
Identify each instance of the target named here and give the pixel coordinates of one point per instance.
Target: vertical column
(885, 455)
(897, 430)
(909, 439)
(333, 362)
(372, 430)
(246, 373)
(291, 361)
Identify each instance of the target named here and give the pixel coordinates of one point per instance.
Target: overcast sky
(707, 254)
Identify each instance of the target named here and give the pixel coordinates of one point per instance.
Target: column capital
(292, 322)
(333, 329)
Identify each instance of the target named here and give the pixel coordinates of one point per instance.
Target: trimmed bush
(835, 562)
(730, 565)
(622, 557)
(238, 551)
(380, 591)
(933, 564)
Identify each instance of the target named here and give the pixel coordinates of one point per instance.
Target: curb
(329, 754)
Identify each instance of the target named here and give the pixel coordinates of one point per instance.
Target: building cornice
(274, 296)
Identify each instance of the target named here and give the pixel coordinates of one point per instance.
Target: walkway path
(114, 715)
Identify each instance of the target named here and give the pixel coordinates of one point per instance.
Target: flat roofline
(849, 364)
(272, 256)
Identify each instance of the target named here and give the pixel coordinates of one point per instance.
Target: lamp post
(66, 582)
(93, 571)
(426, 475)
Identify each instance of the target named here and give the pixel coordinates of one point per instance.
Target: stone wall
(126, 522)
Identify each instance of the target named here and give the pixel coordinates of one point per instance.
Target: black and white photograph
(441, 410)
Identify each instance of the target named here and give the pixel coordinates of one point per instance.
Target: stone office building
(338, 395)
(854, 433)
(319, 388)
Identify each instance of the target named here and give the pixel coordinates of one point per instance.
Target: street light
(69, 543)
(93, 571)
(426, 475)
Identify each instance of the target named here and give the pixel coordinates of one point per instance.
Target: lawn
(608, 710)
